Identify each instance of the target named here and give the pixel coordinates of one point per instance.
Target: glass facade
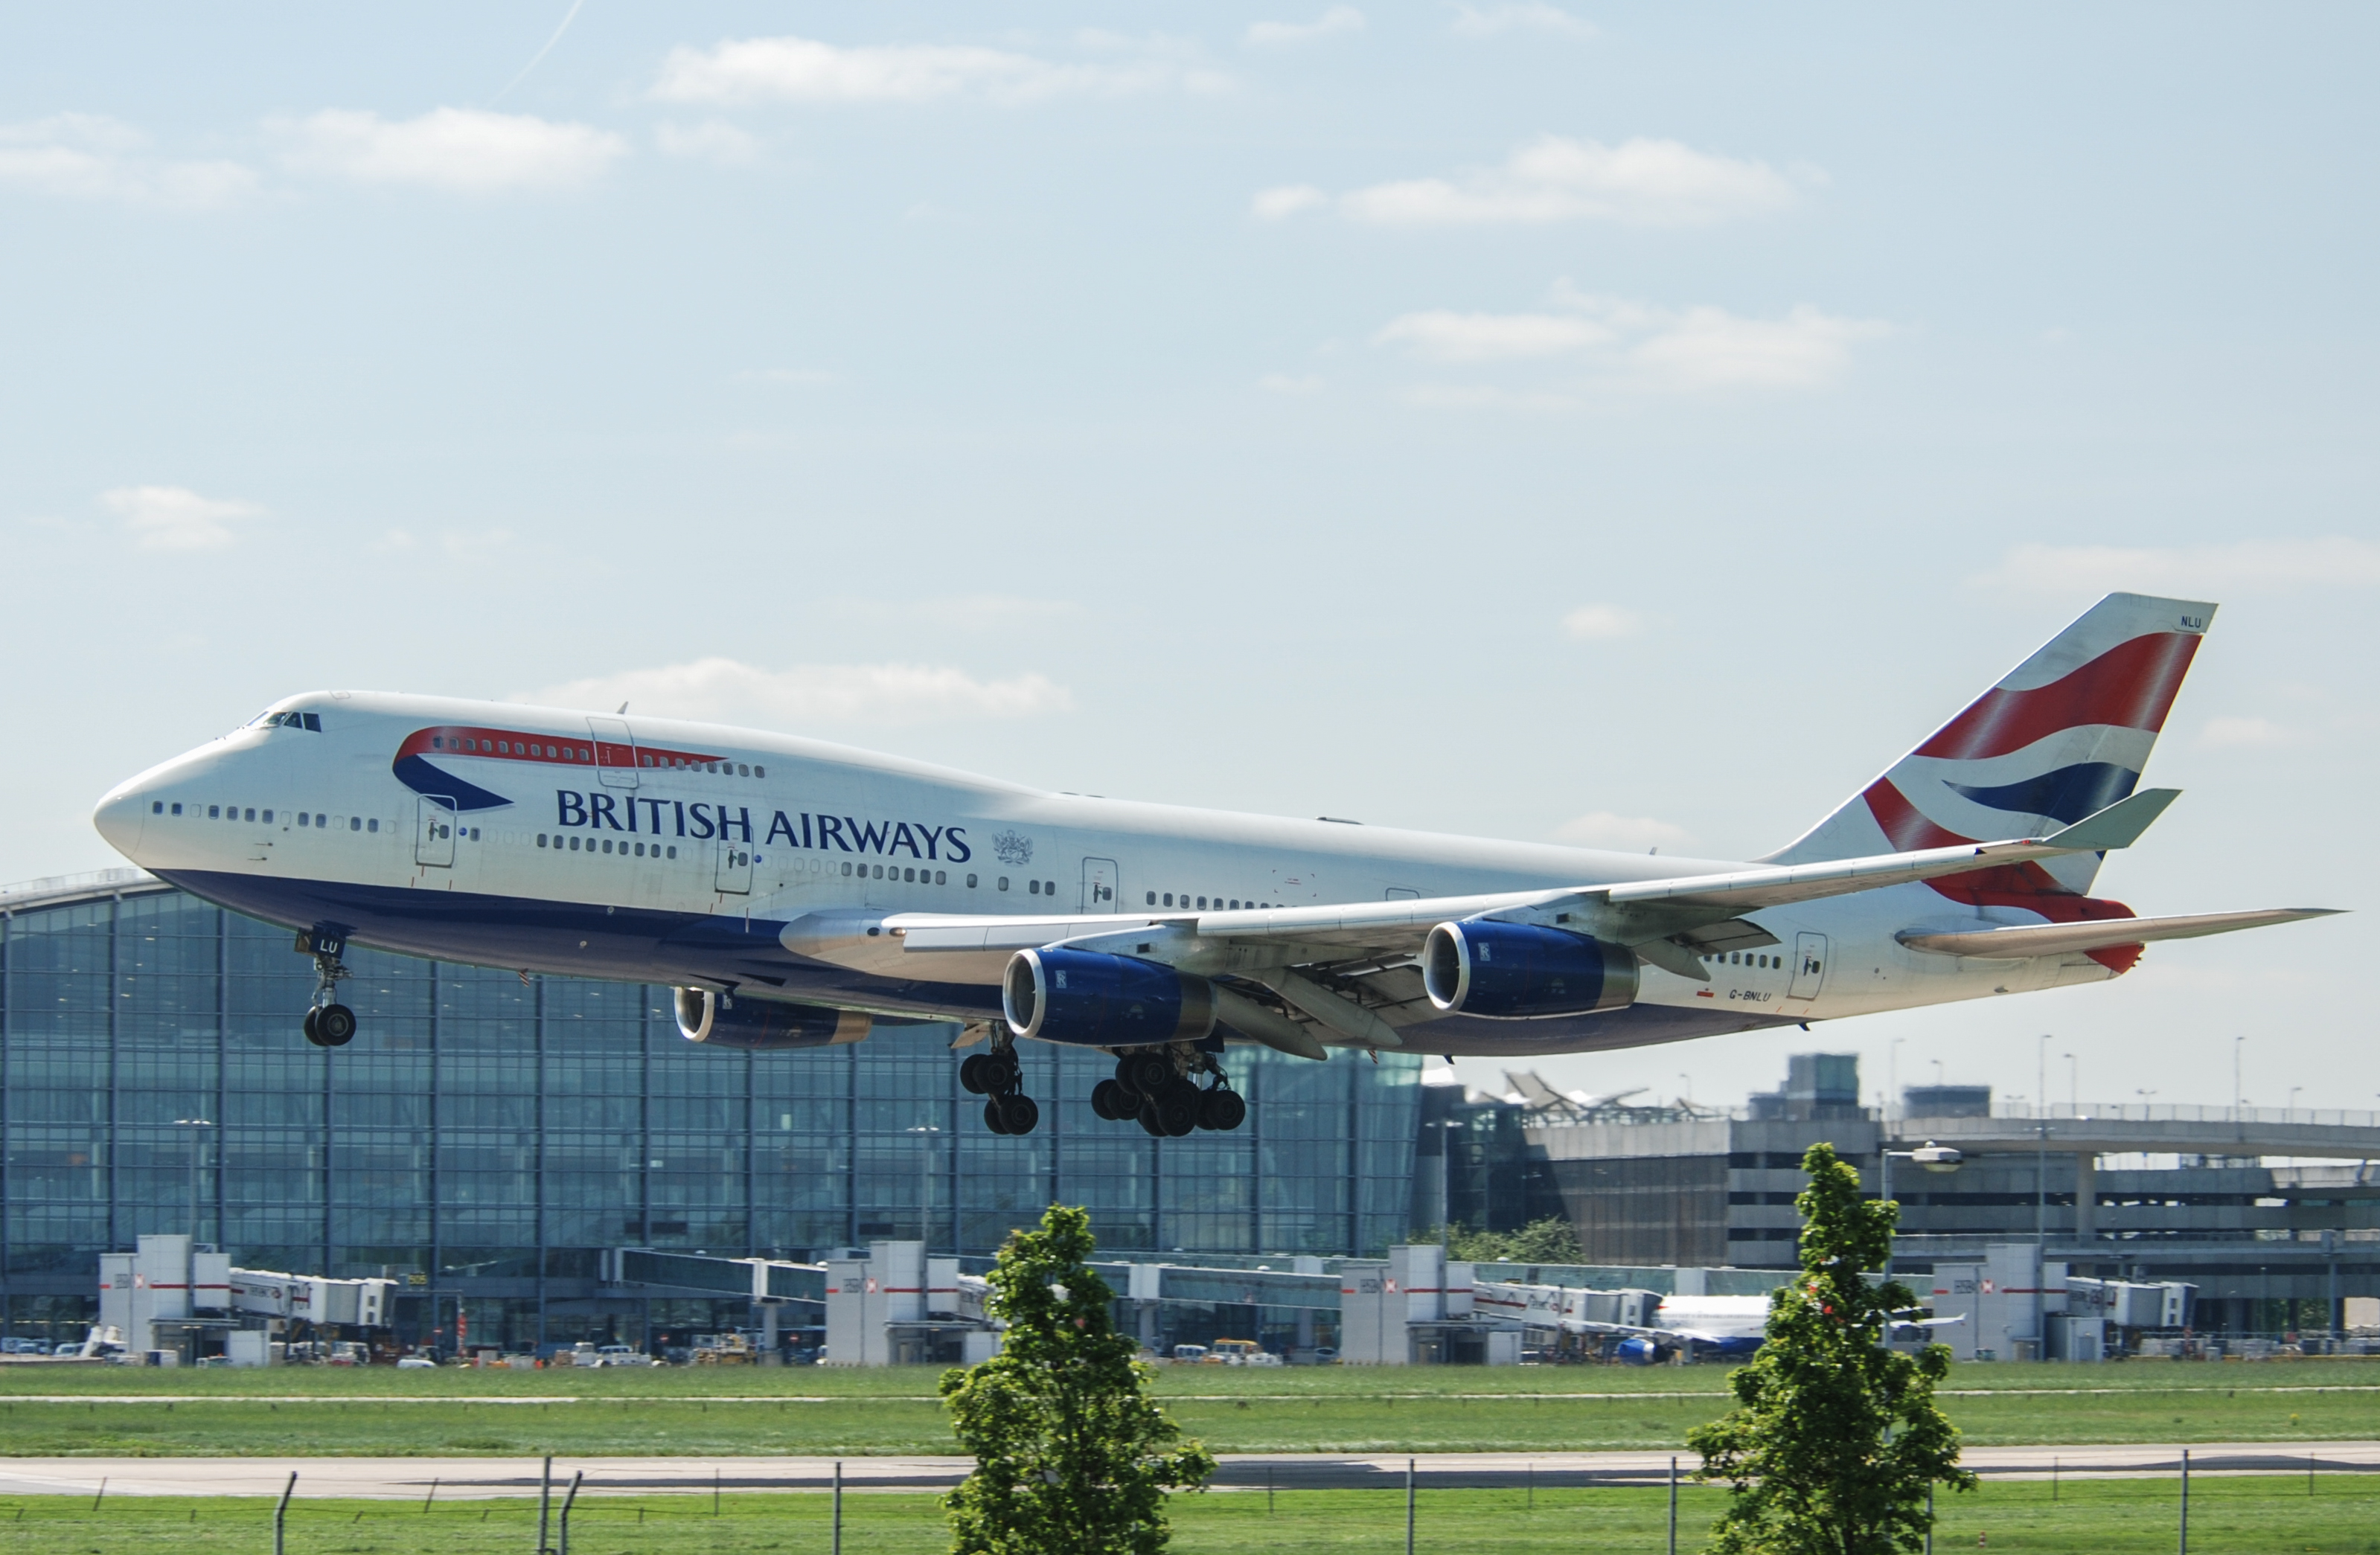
(487, 1133)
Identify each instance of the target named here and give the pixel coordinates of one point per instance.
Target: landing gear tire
(310, 1029)
(1018, 1114)
(1177, 1111)
(1222, 1110)
(992, 1119)
(1113, 1102)
(1148, 1070)
(971, 1072)
(332, 1025)
(1149, 1120)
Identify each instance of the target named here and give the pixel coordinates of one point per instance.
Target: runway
(481, 1479)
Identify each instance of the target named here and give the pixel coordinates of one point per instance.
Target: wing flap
(2023, 942)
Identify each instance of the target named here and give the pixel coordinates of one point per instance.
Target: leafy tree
(1071, 1457)
(1551, 1240)
(1835, 1438)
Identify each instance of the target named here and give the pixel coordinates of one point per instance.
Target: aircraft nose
(121, 817)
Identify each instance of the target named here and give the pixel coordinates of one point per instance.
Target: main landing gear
(328, 1022)
(1153, 1087)
(999, 1080)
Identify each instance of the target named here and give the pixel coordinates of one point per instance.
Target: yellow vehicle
(722, 1349)
(1232, 1352)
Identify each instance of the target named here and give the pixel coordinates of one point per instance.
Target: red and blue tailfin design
(2065, 733)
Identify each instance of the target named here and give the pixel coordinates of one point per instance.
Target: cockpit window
(287, 721)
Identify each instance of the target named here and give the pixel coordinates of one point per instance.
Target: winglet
(2118, 825)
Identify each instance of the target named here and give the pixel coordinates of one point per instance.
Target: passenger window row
(1233, 905)
(558, 843)
(1745, 959)
(473, 744)
(264, 817)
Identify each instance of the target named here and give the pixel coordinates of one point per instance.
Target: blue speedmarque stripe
(431, 782)
(2068, 794)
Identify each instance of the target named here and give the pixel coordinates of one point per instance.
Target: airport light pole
(194, 1125)
(925, 1132)
(1943, 1159)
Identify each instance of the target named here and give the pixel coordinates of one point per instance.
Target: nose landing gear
(328, 1022)
(998, 1077)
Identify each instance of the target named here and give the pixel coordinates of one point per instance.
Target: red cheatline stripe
(448, 741)
(2129, 686)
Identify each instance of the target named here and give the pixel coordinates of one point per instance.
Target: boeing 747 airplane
(796, 894)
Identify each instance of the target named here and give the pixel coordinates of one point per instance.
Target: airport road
(472, 1478)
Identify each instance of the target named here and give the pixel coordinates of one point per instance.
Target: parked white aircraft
(796, 892)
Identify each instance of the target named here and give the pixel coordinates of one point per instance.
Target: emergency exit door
(1809, 967)
(433, 833)
(735, 875)
(1098, 884)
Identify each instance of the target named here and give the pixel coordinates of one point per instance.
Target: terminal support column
(2086, 1194)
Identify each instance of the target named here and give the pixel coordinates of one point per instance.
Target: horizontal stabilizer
(2023, 942)
(2118, 825)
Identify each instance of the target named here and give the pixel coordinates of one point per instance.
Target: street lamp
(1939, 1159)
(924, 1181)
(194, 1125)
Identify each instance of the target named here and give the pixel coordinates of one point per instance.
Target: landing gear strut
(1155, 1087)
(328, 1022)
(998, 1077)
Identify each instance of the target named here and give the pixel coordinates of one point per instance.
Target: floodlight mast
(1931, 1157)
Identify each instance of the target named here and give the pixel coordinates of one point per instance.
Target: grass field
(851, 1413)
(2234, 1517)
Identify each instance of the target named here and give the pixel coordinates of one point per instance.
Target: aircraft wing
(1629, 913)
(2019, 941)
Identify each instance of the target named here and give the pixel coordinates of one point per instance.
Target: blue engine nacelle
(1636, 1351)
(762, 1025)
(1103, 1001)
(1517, 972)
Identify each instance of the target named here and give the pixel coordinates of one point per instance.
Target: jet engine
(1515, 971)
(762, 1025)
(1103, 1001)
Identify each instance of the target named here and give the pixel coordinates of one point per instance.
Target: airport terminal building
(488, 1135)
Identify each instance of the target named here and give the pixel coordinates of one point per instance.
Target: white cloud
(805, 70)
(90, 156)
(2220, 733)
(1338, 20)
(1484, 337)
(1633, 834)
(1494, 21)
(727, 690)
(177, 518)
(1287, 200)
(1637, 183)
(460, 149)
(1711, 348)
(712, 140)
(1642, 345)
(1597, 623)
(1284, 383)
(2201, 572)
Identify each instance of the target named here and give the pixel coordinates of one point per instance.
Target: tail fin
(2063, 734)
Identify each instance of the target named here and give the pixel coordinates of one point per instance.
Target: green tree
(1835, 1439)
(1551, 1240)
(1072, 1458)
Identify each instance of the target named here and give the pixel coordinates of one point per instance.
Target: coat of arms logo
(1013, 849)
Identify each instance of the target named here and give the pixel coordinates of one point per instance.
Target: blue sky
(1634, 425)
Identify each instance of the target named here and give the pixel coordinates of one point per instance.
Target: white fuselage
(654, 851)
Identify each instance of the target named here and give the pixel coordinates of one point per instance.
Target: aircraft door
(1099, 884)
(433, 834)
(616, 752)
(734, 873)
(1809, 967)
